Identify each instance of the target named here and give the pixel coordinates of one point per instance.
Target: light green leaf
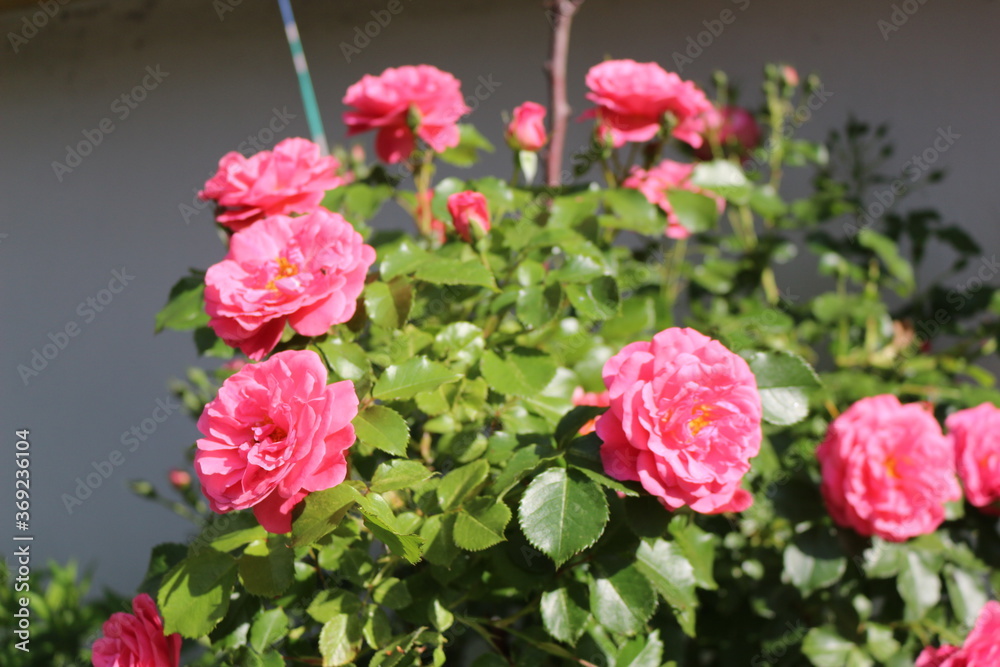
(783, 380)
(409, 378)
(268, 628)
(597, 300)
(267, 568)
(919, 586)
(520, 372)
(462, 482)
(562, 513)
(696, 213)
(322, 512)
(444, 271)
(466, 153)
(813, 561)
(194, 595)
(642, 652)
(825, 648)
(383, 428)
(622, 601)
(329, 603)
(672, 575)
(698, 548)
(406, 257)
(398, 474)
(565, 612)
(388, 304)
(340, 640)
(185, 307)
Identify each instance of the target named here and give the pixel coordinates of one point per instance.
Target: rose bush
(598, 424)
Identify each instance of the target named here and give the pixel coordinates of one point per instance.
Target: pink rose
(981, 647)
(656, 183)
(887, 469)
(275, 432)
(632, 99)
(291, 179)
(735, 129)
(136, 639)
(975, 434)
(790, 75)
(526, 131)
(469, 208)
(422, 95)
(595, 399)
(308, 271)
(179, 479)
(684, 421)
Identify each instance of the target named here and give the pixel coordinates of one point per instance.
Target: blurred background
(92, 245)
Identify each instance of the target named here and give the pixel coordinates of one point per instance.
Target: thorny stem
(560, 13)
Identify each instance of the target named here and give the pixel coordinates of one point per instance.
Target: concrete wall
(222, 76)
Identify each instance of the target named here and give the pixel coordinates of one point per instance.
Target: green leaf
(322, 512)
(887, 250)
(466, 153)
(340, 640)
(696, 213)
(966, 594)
(520, 372)
(406, 257)
(377, 630)
(919, 586)
(481, 523)
(723, 178)
(380, 520)
(388, 304)
(444, 271)
(161, 560)
(268, 628)
(383, 428)
(698, 548)
(596, 300)
(403, 381)
(562, 513)
(642, 652)
(813, 561)
(194, 596)
(825, 648)
(538, 305)
(672, 575)
(783, 380)
(880, 641)
(185, 307)
(398, 474)
(393, 593)
(565, 612)
(328, 603)
(267, 568)
(569, 426)
(622, 601)
(462, 482)
(438, 533)
(631, 211)
(347, 360)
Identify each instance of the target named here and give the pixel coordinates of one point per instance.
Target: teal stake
(305, 81)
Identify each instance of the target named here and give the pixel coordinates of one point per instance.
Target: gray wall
(120, 207)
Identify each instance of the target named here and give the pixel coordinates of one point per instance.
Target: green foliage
(478, 523)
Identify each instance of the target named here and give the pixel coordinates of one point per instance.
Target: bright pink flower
(659, 181)
(735, 128)
(684, 421)
(275, 432)
(981, 647)
(632, 99)
(291, 179)
(388, 103)
(975, 434)
(469, 208)
(596, 399)
(136, 639)
(526, 131)
(308, 271)
(887, 469)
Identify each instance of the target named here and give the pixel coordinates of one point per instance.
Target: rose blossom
(975, 434)
(734, 128)
(291, 179)
(421, 94)
(469, 208)
(179, 479)
(275, 432)
(591, 398)
(632, 99)
(684, 421)
(136, 639)
(887, 469)
(526, 131)
(308, 271)
(656, 183)
(981, 647)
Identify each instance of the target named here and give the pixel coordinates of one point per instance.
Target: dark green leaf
(565, 612)
(267, 568)
(622, 600)
(562, 513)
(185, 307)
(194, 596)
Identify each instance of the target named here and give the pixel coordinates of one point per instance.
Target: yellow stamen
(285, 270)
